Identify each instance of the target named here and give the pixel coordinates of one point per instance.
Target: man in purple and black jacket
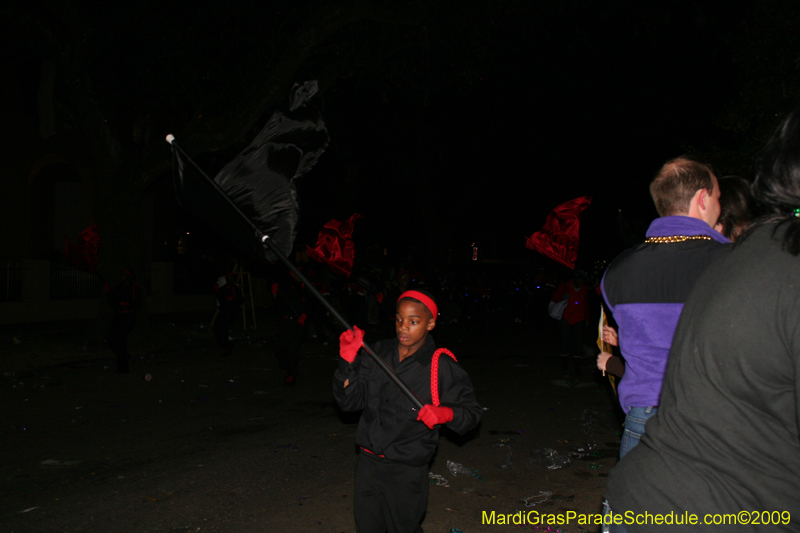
(645, 286)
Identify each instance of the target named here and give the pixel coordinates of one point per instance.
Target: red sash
(435, 373)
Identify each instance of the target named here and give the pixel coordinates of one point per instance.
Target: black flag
(254, 195)
(259, 182)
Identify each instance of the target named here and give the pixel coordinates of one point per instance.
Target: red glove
(350, 341)
(432, 415)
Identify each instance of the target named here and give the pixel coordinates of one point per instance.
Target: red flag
(83, 255)
(559, 238)
(335, 245)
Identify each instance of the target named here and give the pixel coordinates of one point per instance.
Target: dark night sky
(591, 104)
(474, 121)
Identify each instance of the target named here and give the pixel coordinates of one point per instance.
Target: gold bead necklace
(676, 238)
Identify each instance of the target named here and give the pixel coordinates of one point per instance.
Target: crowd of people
(707, 317)
(709, 342)
(705, 324)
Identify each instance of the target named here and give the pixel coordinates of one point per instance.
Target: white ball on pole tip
(170, 138)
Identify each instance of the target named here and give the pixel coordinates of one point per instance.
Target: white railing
(69, 283)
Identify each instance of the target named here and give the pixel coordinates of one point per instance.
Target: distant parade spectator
(736, 203)
(292, 314)
(229, 302)
(573, 321)
(317, 313)
(401, 285)
(125, 302)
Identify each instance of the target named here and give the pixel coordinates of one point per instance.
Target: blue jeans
(634, 427)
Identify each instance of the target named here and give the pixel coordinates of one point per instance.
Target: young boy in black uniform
(396, 441)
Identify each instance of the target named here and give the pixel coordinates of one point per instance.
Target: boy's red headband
(426, 301)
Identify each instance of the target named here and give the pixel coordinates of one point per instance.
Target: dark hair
(426, 293)
(777, 185)
(736, 203)
(673, 188)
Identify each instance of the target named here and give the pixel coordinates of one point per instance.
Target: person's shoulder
(765, 246)
(445, 361)
(700, 252)
(763, 238)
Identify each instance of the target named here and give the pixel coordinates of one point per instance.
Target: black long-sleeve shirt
(389, 424)
(289, 301)
(123, 298)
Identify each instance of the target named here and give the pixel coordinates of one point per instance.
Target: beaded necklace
(676, 238)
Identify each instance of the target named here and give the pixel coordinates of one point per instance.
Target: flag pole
(310, 287)
(267, 242)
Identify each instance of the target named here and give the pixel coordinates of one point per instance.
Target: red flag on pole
(335, 245)
(559, 238)
(83, 255)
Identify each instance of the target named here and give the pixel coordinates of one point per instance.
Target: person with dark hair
(396, 441)
(736, 203)
(726, 439)
(645, 286)
(125, 302)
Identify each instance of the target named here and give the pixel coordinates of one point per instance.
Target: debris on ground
(550, 459)
(459, 469)
(585, 451)
(55, 463)
(536, 499)
(437, 479)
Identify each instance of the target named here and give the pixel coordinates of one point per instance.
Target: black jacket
(389, 424)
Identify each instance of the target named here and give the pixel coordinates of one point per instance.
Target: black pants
(316, 321)
(121, 326)
(288, 340)
(389, 496)
(571, 345)
(222, 325)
